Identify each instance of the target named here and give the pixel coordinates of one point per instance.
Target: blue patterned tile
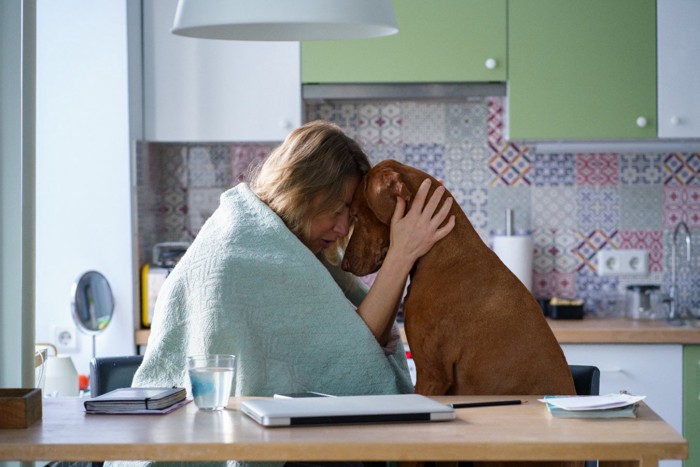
(554, 170)
(641, 169)
(598, 207)
(426, 157)
(209, 166)
(344, 114)
(466, 166)
(380, 152)
(641, 206)
(589, 285)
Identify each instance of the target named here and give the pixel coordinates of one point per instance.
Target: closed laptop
(346, 409)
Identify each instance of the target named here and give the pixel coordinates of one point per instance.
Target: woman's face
(326, 228)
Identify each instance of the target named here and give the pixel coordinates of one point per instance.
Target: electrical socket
(623, 262)
(66, 337)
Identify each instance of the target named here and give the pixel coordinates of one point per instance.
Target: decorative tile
(641, 206)
(208, 166)
(682, 169)
(495, 121)
(650, 240)
(466, 121)
(589, 243)
(681, 204)
(589, 285)
(423, 122)
(598, 207)
(554, 169)
(554, 250)
(343, 114)
(245, 157)
(510, 165)
(641, 169)
(515, 198)
(474, 204)
(380, 152)
(466, 166)
(426, 157)
(554, 206)
(597, 169)
(554, 284)
(379, 123)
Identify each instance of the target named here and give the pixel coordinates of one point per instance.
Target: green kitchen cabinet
(438, 41)
(583, 69)
(691, 403)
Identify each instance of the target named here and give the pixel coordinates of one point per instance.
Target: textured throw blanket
(247, 286)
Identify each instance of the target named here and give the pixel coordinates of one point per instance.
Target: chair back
(586, 379)
(109, 373)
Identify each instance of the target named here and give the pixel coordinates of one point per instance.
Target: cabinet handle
(641, 122)
(491, 63)
(675, 120)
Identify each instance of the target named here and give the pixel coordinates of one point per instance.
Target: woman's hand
(415, 233)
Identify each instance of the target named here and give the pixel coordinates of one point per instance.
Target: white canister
(61, 377)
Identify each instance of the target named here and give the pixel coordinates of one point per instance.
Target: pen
(485, 404)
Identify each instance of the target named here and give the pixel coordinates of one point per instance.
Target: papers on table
(607, 406)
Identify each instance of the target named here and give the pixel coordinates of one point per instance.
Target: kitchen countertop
(592, 330)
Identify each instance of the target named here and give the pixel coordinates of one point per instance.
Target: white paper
(609, 401)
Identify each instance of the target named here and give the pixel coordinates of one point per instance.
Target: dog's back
(472, 326)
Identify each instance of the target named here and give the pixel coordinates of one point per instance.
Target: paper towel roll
(516, 252)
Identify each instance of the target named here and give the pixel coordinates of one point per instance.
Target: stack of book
(137, 400)
(608, 406)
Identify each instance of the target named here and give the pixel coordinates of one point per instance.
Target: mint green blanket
(247, 286)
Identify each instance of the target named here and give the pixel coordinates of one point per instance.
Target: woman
(261, 280)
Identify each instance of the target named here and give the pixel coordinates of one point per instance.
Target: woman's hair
(315, 159)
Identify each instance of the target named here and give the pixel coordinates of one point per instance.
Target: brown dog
(471, 325)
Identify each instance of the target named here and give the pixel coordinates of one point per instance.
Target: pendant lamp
(284, 20)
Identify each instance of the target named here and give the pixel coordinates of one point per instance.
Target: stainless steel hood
(401, 91)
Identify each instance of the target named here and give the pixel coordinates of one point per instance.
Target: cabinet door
(438, 41)
(691, 402)
(679, 68)
(654, 371)
(214, 90)
(583, 69)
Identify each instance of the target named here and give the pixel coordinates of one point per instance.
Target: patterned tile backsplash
(573, 204)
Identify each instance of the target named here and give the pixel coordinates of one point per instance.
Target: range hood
(401, 91)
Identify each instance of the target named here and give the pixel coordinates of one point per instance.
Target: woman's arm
(412, 236)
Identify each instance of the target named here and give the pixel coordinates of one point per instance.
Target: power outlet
(66, 338)
(623, 262)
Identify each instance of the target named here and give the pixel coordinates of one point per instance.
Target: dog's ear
(381, 191)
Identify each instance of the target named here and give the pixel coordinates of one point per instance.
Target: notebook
(346, 409)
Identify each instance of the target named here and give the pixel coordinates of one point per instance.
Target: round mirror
(92, 302)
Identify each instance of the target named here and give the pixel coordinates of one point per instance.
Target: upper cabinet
(214, 90)
(438, 41)
(679, 68)
(582, 69)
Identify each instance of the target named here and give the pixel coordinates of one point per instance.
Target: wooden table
(520, 432)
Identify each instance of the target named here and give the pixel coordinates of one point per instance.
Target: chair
(586, 379)
(109, 373)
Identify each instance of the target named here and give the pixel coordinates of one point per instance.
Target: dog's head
(372, 208)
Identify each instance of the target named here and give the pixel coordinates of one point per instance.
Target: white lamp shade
(284, 20)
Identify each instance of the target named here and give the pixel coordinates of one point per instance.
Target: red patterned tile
(554, 284)
(495, 121)
(597, 169)
(681, 204)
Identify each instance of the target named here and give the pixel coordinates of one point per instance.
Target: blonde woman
(261, 280)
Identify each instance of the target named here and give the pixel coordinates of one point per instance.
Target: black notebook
(131, 399)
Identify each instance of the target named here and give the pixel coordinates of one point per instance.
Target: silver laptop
(346, 409)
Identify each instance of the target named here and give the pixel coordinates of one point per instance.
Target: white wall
(83, 167)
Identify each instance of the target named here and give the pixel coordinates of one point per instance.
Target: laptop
(346, 409)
